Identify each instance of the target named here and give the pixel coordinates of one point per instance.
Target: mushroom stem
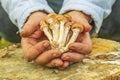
(56, 34)
(45, 28)
(69, 36)
(62, 20)
(54, 27)
(61, 34)
(76, 29)
(48, 34)
(66, 31)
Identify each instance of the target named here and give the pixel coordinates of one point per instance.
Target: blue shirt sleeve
(98, 9)
(19, 10)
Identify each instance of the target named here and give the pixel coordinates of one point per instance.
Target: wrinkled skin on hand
(81, 18)
(34, 43)
(36, 46)
(83, 44)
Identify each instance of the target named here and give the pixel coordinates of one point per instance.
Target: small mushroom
(66, 34)
(76, 29)
(54, 28)
(62, 20)
(45, 28)
(56, 33)
(66, 29)
(50, 18)
(60, 31)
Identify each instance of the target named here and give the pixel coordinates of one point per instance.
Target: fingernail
(46, 44)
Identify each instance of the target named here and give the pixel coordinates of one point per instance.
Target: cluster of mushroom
(60, 31)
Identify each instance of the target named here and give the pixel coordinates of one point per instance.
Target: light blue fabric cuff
(28, 11)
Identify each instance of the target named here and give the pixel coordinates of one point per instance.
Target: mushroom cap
(68, 17)
(43, 24)
(77, 26)
(68, 24)
(50, 17)
(54, 22)
(60, 17)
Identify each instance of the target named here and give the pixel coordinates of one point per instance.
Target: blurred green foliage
(95, 35)
(4, 43)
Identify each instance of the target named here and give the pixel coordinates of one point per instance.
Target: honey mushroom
(45, 28)
(54, 28)
(60, 30)
(62, 21)
(66, 33)
(66, 30)
(76, 29)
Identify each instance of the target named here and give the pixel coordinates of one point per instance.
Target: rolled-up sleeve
(97, 9)
(19, 10)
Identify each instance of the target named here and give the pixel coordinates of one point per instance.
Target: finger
(55, 63)
(87, 27)
(72, 57)
(30, 27)
(28, 30)
(84, 44)
(37, 34)
(41, 46)
(47, 56)
(84, 38)
(32, 51)
(81, 47)
(65, 65)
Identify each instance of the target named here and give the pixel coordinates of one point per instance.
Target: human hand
(83, 44)
(81, 18)
(35, 44)
(78, 50)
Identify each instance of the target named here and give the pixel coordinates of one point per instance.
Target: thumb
(32, 23)
(29, 29)
(87, 27)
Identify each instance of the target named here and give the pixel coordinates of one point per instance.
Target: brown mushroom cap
(43, 24)
(78, 26)
(60, 17)
(54, 22)
(68, 17)
(50, 16)
(68, 24)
